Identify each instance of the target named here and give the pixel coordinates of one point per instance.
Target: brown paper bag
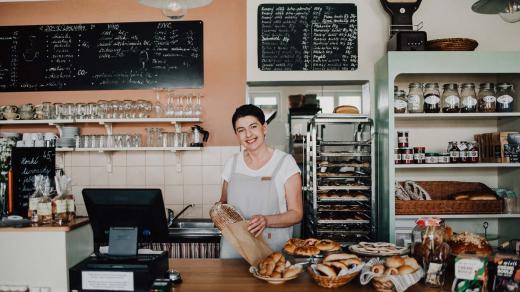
(252, 249)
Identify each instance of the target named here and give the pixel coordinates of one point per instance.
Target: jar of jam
(415, 98)
(463, 151)
(399, 101)
(472, 152)
(505, 97)
(397, 156)
(419, 154)
(454, 152)
(486, 98)
(407, 156)
(431, 158)
(444, 157)
(450, 98)
(402, 139)
(432, 98)
(468, 98)
(431, 250)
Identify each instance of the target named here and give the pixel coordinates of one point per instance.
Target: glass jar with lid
(486, 97)
(468, 98)
(430, 249)
(450, 98)
(505, 97)
(399, 101)
(415, 98)
(432, 98)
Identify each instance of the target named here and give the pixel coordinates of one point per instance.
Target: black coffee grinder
(402, 35)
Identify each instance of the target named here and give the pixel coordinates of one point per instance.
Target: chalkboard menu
(26, 162)
(101, 56)
(301, 37)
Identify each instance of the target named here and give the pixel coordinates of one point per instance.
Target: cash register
(123, 217)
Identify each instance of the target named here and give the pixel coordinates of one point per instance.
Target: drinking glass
(170, 110)
(57, 111)
(188, 110)
(197, 107)
(102, 106)
(136, 140)
(69, 110)
(157, 106)
(127, 109)
(179, 107)
(81, 110)
(92, 110)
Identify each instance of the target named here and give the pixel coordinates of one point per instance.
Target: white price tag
(114, 281)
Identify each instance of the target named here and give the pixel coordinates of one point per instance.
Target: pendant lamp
(509, 10)
(175, 9)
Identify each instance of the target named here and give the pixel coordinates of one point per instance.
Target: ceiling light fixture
(175, 9)
(509, 10)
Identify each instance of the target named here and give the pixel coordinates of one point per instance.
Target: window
(265, 100)
(327, 104)
(331, 99)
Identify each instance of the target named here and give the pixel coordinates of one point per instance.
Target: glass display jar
(468, 98)
(505, 97)
(399, 101)
(450, 98)
(430, 249)
(432, 98)
(486, 98)
(415, 98)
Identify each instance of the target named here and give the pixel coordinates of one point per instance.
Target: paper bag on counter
(252, 249)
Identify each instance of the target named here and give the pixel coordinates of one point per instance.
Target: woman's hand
(257, 224)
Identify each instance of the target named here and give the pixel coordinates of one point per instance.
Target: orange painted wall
(224, 57)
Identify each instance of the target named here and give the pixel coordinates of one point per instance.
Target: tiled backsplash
(190, 177)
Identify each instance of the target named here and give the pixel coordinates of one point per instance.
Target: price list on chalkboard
(307, 37)
(101, 56)
(26, 163)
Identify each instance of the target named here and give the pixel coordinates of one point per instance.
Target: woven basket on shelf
(383, 284)
(329, 282)
(452, 44)
(442, 203)
(224, 214)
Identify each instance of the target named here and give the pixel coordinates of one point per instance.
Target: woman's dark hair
(248, 110)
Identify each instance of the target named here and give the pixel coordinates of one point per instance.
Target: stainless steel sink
(190, 228)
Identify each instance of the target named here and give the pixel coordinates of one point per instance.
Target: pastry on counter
(470, 243)
(310, 246)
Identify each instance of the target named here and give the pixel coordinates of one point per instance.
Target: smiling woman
(264, 184)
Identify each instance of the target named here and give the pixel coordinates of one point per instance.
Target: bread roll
(276, 256)
(394, 262)
(403, 270)
(326, 270)
(378, 269)
(279, 267)
(290, 247)
(339, 257)
(461, 197)
(408, 261)
(269, 269)
(276, 275)
(483, 198)
(391, 272)
(292, 271)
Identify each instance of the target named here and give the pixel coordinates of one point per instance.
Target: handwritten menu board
(101, 56)
(26, 162)
(307, 37)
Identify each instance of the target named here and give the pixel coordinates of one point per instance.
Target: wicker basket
(383, 284)
(224, 214)
(452, 44)
(329, 282)
(441, 203)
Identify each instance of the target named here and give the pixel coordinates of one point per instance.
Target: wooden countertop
(233, 275)
(78, 222)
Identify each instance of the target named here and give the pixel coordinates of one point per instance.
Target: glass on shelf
(415, 98)
(157, 106)
(197, 106)
(102, 108)
(92, 110)
(81, 110)
(468, 98)
(450, 98)
(188, 110)
(505, 97)
(127, 109)
(486, 97)
(432, 98)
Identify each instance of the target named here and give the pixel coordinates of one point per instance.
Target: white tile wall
(191, 177)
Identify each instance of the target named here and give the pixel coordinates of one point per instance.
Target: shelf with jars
(445, 97)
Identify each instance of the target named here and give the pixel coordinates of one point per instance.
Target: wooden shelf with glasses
(100, 121)
(173, 149)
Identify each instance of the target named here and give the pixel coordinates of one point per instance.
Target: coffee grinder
(402, 35)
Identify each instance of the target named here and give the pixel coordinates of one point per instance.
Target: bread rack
(339, 180)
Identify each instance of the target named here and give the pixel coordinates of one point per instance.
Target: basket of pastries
(469, 243)
(395, 273)
(310, 246)
(275, 269)
(336, 270)
(452, 44)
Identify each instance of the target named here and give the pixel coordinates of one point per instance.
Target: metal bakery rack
(339, 196)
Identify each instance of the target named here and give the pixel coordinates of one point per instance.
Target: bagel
(326, 270)
(391, 272)
(403, 270)
(378, 269)
(339, 257)
(394, 262)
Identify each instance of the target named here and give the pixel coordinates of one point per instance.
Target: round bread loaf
(339, 256)
(394, 262)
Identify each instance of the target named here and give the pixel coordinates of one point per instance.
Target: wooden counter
(78, 222)
(233, 275)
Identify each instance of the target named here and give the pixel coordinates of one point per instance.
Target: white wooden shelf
(457, 116)
(461, 216)
(458, 165)
(100, 121)
(173, 149)
(36, 122)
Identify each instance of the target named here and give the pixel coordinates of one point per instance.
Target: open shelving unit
(435, 130)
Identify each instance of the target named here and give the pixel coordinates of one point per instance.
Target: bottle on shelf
(454, 152)
(505, 97)
(415, 98)
(468, 98)
(432, 98)
(486, 98)
(450, 98)
(399, 101)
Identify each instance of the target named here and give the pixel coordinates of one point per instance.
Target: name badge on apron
(265, 178)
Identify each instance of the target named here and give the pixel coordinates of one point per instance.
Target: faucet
(171, 218)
